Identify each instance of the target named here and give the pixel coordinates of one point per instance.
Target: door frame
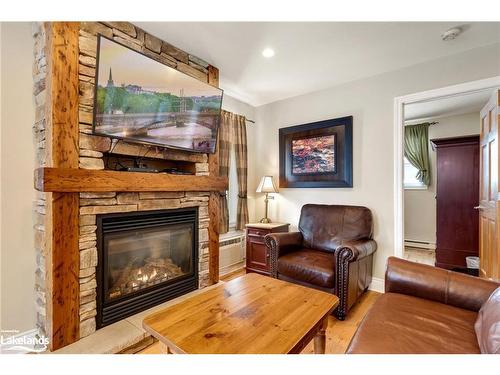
(399, 103)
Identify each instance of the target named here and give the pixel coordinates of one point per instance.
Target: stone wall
(39, 85)
(92, 151)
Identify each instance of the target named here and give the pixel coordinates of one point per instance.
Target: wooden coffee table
(252, 314)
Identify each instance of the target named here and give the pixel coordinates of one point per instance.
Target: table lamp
(266, 186)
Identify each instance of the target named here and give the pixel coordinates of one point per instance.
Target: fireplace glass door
(142, 258)
(145, 258)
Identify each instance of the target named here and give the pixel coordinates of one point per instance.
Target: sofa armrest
(437, 284)
(352, 251)
(280, 244)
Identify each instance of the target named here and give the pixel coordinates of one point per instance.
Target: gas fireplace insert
(145, 258)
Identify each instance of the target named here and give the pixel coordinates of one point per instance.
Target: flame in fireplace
(153, 271)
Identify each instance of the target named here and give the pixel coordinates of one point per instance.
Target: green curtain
(417, 150)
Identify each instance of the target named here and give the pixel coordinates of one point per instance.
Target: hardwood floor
(419, 255)
(233, 275)
(338, 334)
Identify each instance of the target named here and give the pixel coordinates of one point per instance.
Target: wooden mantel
(73, 180)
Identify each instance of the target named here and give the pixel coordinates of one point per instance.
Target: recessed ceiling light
(451, 34)
(268, 52)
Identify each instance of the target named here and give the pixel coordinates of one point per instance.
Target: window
(410, 177)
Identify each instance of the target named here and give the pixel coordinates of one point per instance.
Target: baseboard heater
(232, 253)
(420, 244)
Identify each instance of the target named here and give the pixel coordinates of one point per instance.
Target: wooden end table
(252, 314)
(257, 254)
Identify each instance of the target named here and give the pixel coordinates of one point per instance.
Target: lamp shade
(267, 185)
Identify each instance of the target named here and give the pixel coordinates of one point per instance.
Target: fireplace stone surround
(92, 152)
(106, 203)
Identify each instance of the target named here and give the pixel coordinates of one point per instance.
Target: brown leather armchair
(333, 252)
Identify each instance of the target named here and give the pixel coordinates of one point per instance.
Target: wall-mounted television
(139, 99)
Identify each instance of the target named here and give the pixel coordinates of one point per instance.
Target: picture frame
(316, 155)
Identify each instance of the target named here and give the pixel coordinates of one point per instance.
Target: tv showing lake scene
(142, 100)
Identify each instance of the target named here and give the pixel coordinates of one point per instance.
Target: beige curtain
(224, 149)
(240, 149)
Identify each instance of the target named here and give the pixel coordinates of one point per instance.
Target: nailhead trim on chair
(271, 244)
(343, 256)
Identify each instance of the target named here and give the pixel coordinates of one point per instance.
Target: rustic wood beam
(213, 76)
(61, 113)
(214, 200)
(213, 237)
(84, 180)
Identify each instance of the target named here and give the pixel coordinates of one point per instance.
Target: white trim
(422, 187)
(398, 177)
(419, 97)
(377, 285)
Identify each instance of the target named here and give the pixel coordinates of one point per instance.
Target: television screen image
(142, 100)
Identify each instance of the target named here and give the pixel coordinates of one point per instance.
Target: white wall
(420, 205)
(17, 164)
(370, 101)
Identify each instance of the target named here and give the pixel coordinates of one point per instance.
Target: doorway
(449, 112)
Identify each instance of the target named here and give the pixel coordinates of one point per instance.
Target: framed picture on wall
(318, 154)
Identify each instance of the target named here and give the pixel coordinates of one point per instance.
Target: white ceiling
(313, 56)
(451, 106)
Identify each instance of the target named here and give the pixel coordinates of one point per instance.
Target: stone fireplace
(97, 211)
(144, 259)
(119, 265)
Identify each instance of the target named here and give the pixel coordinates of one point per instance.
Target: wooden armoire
(457, 198)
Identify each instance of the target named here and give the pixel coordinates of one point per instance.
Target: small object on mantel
(257, 254)
(140, 169)
(177, 171)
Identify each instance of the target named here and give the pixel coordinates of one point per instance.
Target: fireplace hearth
(145, 258)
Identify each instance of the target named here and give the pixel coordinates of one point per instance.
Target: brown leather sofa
(332, 251)
(425, 310)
